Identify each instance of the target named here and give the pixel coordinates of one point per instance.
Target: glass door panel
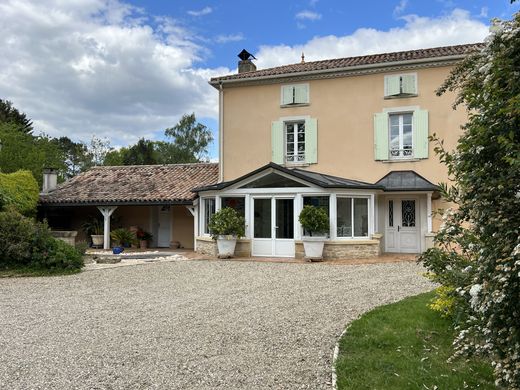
(284, 218)
(262, 218)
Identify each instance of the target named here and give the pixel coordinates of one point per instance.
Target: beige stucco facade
(344, 108)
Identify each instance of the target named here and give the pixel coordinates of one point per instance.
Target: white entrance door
(164, 227)
(402, 225)
(273, 226)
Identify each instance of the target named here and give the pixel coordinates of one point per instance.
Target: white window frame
(369, 216)
(401, 136)
(307, 97)
(296, 157)
(203, 221)
(400, 95)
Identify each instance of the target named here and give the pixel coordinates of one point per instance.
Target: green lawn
(24, 271)
(405, 345)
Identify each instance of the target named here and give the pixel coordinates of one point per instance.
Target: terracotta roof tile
(338, 63)
(134, 184)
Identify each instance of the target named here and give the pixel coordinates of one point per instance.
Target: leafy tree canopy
(191, 138)
(9, 114)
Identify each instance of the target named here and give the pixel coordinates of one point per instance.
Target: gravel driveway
(189, 324)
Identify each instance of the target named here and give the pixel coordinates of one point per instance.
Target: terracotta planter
(143, 244)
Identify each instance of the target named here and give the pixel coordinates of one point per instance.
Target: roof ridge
(152, 165)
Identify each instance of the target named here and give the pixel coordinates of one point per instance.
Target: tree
(478, 249)
(191, 138)
(21, 150)
(9, 114)
(98, 148)
(76, 156)
(142, 153)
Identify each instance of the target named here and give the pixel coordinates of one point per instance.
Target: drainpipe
(221, 132)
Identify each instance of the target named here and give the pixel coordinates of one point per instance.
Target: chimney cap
(245, 55)
(50, 170)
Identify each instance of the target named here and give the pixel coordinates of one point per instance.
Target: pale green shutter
(420, 133)
(311, 141)
(408, 84)
(301, 93)
(381, 136)
(277, 144)
(287, 94)
(392, 85)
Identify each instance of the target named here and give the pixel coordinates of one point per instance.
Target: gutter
(345, 69)
(220, 133)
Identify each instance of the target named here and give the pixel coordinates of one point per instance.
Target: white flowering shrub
(478, 245)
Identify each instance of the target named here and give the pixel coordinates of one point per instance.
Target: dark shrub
(26, 243)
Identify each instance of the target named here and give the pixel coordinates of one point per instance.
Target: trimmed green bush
(19, 190)
(227, 222)
(25, 243)
(314, 220)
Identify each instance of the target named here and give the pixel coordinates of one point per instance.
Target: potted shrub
(123, 238)
(226, 226)
(144, 238)
(94, 228)
(315, 222)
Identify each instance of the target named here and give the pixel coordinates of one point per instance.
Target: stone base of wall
(346, 250)
(66, 236)
(208, 246)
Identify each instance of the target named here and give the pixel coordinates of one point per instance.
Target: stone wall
(68, 236)
(346, 250)
(208, 246)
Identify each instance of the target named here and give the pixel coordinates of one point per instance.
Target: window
(403, 85)
(317, 201)
(236, 203)
(208, 211)
(295, 94)
(352, 217)
(400, 133)
(294, 140)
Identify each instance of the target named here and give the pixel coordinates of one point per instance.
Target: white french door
(273, 226)
(402, 227)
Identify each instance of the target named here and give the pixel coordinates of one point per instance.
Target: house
(349, 135)
(156, 198)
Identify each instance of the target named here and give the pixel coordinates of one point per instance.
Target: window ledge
(294, 105)
(402, 160)
(296, 165)
(347, 241)
(401, 96)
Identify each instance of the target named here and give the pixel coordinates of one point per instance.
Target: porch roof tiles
(134, 184)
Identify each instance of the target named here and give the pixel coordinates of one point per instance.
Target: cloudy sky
(130, 69)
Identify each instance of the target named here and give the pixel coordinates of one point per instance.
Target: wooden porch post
(107, 212)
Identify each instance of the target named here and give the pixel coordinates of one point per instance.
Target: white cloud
(98, 66)
(229, 38)
(483, 12)
(308, 15)
(399, 8)
(201, 12)
(418, 32)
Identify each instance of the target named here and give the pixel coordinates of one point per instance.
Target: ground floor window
(236, 203)
(352, 217)
(321, 201)
(209, 210)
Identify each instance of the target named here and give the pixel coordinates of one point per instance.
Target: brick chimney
(50, 180)
(246, 64)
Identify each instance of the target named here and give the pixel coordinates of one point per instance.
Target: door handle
(398, 227)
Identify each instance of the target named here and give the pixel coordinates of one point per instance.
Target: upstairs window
(294, 141)
(295, 94)
(401, 138)
(403, 85)
(401, 134)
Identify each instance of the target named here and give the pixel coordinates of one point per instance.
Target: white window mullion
(352, 217)
(333, 216)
